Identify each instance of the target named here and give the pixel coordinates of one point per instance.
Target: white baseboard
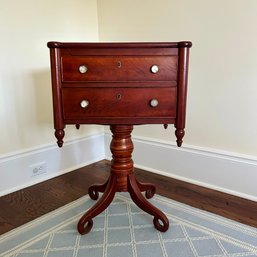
(14, 169)
(226, 172)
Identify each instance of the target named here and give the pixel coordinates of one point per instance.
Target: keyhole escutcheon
(118, 97)
(119, 64)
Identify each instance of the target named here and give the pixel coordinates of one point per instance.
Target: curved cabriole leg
(59, 134)
(94, 190)
(122, 179)
(85, 224)
(148, 188)
(143, 204)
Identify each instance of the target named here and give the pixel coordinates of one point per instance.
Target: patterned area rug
(124, 230)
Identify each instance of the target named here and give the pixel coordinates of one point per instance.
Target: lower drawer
(83, 103)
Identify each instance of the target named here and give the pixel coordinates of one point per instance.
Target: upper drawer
(119, 68)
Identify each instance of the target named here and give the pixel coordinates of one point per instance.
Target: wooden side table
(121, 85)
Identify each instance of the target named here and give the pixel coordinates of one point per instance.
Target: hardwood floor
(27, 204)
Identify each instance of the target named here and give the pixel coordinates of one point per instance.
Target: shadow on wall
(43, 96)
(27, 109)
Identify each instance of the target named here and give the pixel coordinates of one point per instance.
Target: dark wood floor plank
(25, 205)
(5, 226)
(32, 202)
(232, 207)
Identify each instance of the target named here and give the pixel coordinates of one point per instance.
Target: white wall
(26, 120)
(25, 87)
(222, 96)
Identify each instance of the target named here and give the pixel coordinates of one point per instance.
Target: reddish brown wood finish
(119, 87)
(182, 93)
(57, 95)
(122, 179)
(134, 72)
(126, 102)
(119, 68)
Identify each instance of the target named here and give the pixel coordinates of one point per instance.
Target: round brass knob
(154, 69)
(83, 69)
(84, 103)
(154, 103)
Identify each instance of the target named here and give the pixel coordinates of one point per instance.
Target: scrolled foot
(94, 190)
(163, 226)
(150, 193)
(160, 220)
(85, 227)
(85, 223)
(94, 195)
(148, 188)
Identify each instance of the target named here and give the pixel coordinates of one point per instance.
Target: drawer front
(80, 103)
(119, 68)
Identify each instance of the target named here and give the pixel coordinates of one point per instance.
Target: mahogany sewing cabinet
(121, 85)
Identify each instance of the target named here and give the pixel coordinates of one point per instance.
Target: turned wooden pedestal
(122, 179)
